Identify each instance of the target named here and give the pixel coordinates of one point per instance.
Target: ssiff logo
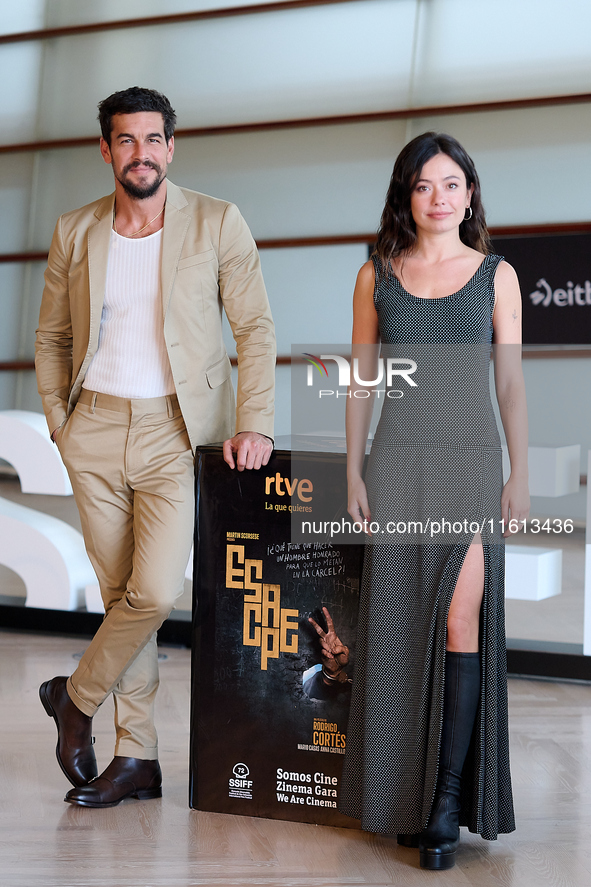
(572, 295)
(239, 784)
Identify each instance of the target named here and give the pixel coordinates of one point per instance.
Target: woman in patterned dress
(427, 746)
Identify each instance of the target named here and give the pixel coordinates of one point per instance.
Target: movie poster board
(267, 735)
(554, 272)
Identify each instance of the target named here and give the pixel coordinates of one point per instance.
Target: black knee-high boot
(439, 842)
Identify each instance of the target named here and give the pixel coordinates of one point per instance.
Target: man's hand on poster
(334, 654)
(251, 448)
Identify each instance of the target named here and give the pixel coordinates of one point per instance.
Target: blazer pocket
(219, 372)
(197, 259)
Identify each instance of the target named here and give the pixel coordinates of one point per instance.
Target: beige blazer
(209, 262)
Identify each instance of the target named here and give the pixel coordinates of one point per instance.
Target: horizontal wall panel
(470, 51)
(11, 286)
(8, 382)
(67, 180)
(27, 398)
(16, 183)
(282, 400)
(560, 389)
(311, 293)
(26, 15)
(532, 163)
(340, 58)
(305, 62)
(20, 71)
(31, 303)
(299, 183)
(311, 296)
(63, 13)
(333, 180)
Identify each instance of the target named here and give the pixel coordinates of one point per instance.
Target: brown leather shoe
(74, 750)
(123, 778)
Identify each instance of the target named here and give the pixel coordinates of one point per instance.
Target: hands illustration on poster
(327, 678)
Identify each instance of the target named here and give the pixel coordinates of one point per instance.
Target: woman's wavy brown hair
(397, 234)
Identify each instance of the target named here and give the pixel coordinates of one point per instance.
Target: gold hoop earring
(467, 218)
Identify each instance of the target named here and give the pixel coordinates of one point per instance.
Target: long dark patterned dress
(436, 456)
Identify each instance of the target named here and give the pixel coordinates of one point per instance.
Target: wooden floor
(164, 844)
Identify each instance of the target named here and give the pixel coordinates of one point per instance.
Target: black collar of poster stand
(78, 623)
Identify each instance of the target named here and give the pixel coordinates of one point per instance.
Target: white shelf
(553, 471)
(532, 574)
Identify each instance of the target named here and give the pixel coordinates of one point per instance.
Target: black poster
(555, 276)
(268, 735)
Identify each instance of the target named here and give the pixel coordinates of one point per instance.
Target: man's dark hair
(132, 101)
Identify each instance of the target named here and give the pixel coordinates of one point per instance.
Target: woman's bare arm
(510, 389)
(365, 350)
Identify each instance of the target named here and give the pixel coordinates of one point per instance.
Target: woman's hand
(514, 504)
(358, 504)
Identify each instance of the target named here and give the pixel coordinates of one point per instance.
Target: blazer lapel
(176, 224)
(99, 238)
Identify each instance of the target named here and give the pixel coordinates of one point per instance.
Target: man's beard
(141, 192)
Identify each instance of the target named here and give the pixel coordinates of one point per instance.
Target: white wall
(341, 58)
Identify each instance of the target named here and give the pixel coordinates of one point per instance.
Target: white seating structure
(47, 553)
(553, 471)
(25, 443)
(533, 573)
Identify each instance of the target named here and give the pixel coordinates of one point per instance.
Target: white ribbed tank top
(131, 359)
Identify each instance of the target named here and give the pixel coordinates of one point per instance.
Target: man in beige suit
(133, 375)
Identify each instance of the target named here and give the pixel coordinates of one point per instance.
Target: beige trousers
(131, 468)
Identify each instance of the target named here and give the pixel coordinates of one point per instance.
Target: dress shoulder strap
(493, 261)
(490, 265)
(382, 276)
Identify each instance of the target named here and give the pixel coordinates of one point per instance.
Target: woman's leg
(463, 619)
(439, 841)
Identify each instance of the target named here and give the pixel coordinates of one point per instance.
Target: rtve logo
(301, 488)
